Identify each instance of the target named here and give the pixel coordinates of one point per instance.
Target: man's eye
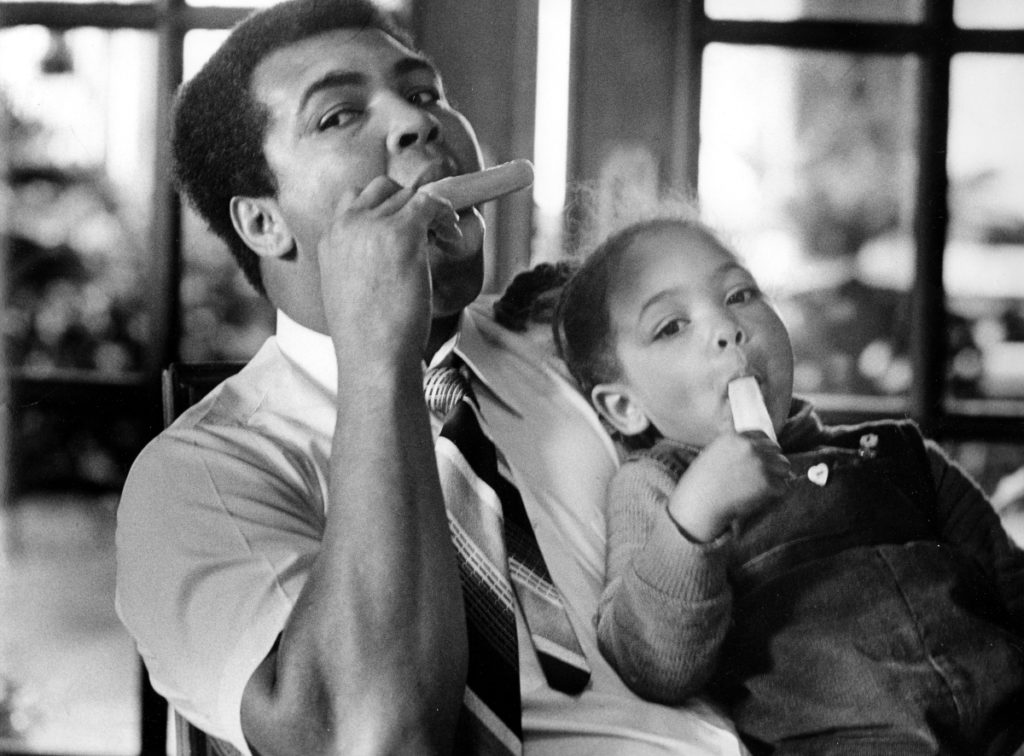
(424, 97)
(669, 329)
(340, 116)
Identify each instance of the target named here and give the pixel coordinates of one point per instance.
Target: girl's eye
(669, 329)
(742, 296)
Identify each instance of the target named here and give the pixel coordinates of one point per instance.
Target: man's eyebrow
(414, 64)
(403, 67)
(331, 80)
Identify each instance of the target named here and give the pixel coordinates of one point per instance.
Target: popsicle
(748, 410)
(482, 186)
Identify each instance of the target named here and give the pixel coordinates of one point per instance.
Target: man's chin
(456, 282)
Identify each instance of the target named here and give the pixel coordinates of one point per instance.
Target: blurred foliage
(852, 336)
(853, 141)
(74, 275)
(76, 299)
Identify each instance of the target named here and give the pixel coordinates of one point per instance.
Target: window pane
(80, 138)
(995, 14)
(984, 273)
(81, 145)
(199, 46)
(830, 10)
(806, 165)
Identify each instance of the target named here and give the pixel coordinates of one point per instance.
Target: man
(284, 559)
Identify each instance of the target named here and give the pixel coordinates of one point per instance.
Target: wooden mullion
(844, 36)
(928, 348)
(64, 16)
(166, 260)
(686, 103)
(862, 37)
(987, 40)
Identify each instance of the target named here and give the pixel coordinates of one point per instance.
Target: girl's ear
(260, 224)
(615, 403)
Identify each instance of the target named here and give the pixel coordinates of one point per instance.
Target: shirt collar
(311, 351)
(314, 352)
(474, 348)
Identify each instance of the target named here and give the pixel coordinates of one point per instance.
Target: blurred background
(866, 158)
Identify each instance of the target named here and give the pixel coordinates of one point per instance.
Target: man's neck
(441, 329)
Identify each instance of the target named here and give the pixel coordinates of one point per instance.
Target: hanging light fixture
(57, 59)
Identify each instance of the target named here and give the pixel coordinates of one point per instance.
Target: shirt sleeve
(666, 604)
(969, 520)
(217, 530)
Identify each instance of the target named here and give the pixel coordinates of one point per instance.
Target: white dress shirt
(222, 514)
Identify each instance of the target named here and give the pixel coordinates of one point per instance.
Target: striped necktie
(499, 560)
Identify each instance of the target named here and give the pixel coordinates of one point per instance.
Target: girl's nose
(729, 333)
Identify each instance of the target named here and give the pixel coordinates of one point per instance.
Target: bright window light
(552, 119)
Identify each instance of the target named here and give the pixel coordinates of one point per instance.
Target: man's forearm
(373, 658)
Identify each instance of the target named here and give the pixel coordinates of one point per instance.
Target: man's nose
(410, 126)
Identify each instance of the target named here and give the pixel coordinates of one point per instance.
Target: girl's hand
(735, 475)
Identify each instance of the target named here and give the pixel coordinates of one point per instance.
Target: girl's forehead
(679, 242)
(660, 255)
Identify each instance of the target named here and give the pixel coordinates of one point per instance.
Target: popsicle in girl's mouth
(748, 409)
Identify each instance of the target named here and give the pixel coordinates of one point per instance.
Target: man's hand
(374, 267)
(735, 475)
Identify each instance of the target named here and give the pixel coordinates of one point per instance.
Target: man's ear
(258, 221)
(616, 404)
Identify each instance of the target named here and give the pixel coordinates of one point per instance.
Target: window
(864, 159)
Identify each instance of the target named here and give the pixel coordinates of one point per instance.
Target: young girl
(847, 590)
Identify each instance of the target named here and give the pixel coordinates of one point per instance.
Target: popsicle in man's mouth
(748, 409)
(483, 186)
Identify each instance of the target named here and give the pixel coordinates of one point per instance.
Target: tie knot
(443, 388)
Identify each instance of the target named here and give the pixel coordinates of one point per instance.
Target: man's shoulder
(256, 419)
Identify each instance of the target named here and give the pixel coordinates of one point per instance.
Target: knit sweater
(673, 611)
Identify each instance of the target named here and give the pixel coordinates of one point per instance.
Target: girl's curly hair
(532, 295)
